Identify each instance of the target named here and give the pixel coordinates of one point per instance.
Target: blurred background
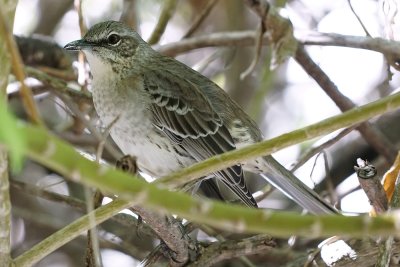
(280, 100)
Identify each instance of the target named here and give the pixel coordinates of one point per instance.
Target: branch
(122, 219)
(200, 18)
(306, 156)
(5, 219)
(59, 85)
(250, 152)
(240, 38)
(160, 227)
(358, 18)
(282, 31)
(166, 13)
(389, 48)
(68, 233)
(370, 133)
(59, 156)
(229, 249)
(17, 66)
(371, 184)
(8, 7)
(167, 229)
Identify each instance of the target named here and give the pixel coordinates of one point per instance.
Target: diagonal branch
(167, 11)
(69, 232)
(17, 66)
(372, 135)
(200, 18)
(347, 119)
(59, 156)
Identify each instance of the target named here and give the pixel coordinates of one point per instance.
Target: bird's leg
(166, 227)
(128, 164)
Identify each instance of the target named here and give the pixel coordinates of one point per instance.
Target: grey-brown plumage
(170, 116)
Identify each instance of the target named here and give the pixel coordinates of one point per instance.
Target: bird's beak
(78, 45)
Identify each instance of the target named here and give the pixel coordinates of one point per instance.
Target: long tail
(291, 186)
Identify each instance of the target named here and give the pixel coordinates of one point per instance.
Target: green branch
(344, 120)
(68, 233)
(59, 156)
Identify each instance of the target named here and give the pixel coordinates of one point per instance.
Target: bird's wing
(186, 116)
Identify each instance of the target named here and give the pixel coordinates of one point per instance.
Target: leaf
(389, 179)
(11, 137)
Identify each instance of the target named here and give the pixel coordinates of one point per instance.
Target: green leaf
(11, 137)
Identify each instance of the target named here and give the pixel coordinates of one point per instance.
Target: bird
(170, 116)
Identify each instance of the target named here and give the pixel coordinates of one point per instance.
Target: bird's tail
(291, 186)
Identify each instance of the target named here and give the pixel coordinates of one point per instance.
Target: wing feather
(187, 117)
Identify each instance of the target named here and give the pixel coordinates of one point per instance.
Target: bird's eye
(113, 39)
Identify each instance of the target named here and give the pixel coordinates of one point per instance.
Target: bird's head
(111, 44)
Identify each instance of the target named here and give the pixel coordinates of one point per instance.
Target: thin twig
(153, 257)
(103, 141)
(280, 31)
(68, 233)
(72, 106)
(65, 75)
(358, 18)
(390, 11)
(257, 54)
(315, 150)
(59, 85)
(200, 18)
(370, 133)
(49, 195)
(123, 220)
(333, 197)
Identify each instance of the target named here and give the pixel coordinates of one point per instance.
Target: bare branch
(372, 135)
(166, 13)
(219, 251)
(358, 18)
(17, 66)
(200, 18)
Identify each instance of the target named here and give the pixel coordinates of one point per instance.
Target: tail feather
(291, 186)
